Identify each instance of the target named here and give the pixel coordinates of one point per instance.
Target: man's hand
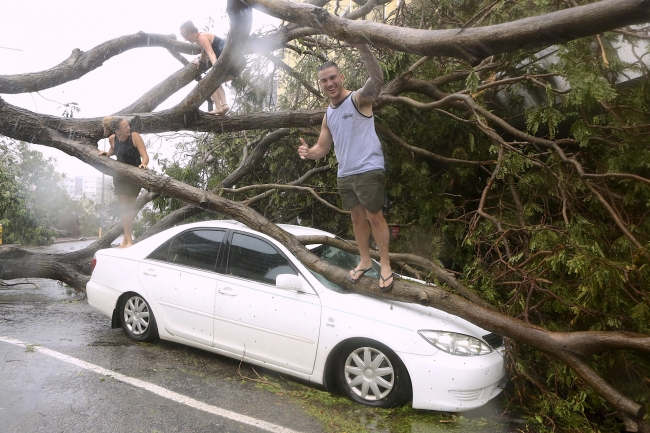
(196, 61)
(371, 90)
(303, 149)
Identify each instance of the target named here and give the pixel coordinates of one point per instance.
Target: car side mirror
(289, 282)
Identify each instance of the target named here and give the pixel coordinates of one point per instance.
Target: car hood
(405, 315)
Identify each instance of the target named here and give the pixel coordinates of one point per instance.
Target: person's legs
(220, 104)
(359, 225)
(369, 188)
(128, 216)
(382, 237)
(222, 97)
(361, 230)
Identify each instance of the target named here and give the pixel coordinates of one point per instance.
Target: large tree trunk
(78, 137)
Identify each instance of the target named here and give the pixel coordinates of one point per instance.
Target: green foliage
(339, 414)
(559, 258)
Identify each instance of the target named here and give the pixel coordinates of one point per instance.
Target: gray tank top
(356, 144)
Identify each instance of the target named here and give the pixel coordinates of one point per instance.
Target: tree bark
(470, 44)
(80, 63)
(78, 137)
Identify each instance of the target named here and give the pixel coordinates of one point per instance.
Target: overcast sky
(38, 34)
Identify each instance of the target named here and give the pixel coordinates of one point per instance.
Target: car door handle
(227, 291)
(150, 272)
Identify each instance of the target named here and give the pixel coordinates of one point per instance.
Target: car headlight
(456, 344)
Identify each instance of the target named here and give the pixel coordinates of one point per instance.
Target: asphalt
(39, 393)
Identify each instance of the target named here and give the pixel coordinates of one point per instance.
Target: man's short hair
(328, 64)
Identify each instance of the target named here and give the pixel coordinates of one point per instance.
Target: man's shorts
(366, 189)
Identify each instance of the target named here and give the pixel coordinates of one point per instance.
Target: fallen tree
(502, 230)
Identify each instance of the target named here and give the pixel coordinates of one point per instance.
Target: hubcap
(369, 373)
(136, 315)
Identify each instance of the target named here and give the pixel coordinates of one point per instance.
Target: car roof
(233, 224)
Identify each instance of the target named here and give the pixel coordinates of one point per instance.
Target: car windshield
(342, 259)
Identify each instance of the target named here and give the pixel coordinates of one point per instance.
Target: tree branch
(80, 63)
(472, 44)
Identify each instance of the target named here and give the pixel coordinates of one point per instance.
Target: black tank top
(217, 45)
(126, 151)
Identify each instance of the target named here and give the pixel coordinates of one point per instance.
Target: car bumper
(450, 383)
(102, 298)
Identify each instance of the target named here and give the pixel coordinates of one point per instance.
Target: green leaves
(546, 116)
(472, 82)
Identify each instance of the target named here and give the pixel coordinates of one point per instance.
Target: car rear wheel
(137, 319)
(372, 374)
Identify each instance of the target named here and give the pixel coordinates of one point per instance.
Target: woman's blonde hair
(111, 124)
(189, 27)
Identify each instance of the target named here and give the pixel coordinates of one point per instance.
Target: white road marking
(158, 390)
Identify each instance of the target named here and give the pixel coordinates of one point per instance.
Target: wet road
(57, 381)
(43, 394)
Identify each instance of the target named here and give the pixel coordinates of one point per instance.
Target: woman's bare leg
(222, 97)
(220, 104)
(127, 205)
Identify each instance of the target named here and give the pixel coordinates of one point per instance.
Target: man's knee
(358, 214)
(375, 218)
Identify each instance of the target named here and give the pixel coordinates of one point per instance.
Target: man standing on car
(349, 124)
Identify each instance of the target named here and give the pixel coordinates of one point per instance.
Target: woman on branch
(212, 46)
(129, 148)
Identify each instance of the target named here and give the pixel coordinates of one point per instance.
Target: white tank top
(356, 144)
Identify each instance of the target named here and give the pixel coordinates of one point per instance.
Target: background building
(90, 187)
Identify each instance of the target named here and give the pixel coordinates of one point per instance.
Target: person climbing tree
(129, 148)
(212, 47)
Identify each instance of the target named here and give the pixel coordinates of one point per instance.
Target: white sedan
(222, 287)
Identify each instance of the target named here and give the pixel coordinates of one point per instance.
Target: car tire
(372, 374)
(136, 318)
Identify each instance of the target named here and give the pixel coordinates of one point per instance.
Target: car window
(255, 259)
(196, 248)
(344, 260)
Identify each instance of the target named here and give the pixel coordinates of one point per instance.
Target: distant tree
(34, 206)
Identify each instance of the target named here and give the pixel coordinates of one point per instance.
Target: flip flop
(356, 271)
(387, 288)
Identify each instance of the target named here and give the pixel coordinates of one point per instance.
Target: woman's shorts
(366, 189)
(122, 187)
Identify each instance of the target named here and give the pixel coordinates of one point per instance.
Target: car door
(256, 319)
(180, 276)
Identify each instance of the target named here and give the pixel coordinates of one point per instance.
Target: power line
(7, 48)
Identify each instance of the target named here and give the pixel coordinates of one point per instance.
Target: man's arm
(370, 91)
(321, 148)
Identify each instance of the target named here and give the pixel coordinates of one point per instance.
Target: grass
(338, 414)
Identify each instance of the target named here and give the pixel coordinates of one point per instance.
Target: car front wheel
(137, 319)
(372, 374)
